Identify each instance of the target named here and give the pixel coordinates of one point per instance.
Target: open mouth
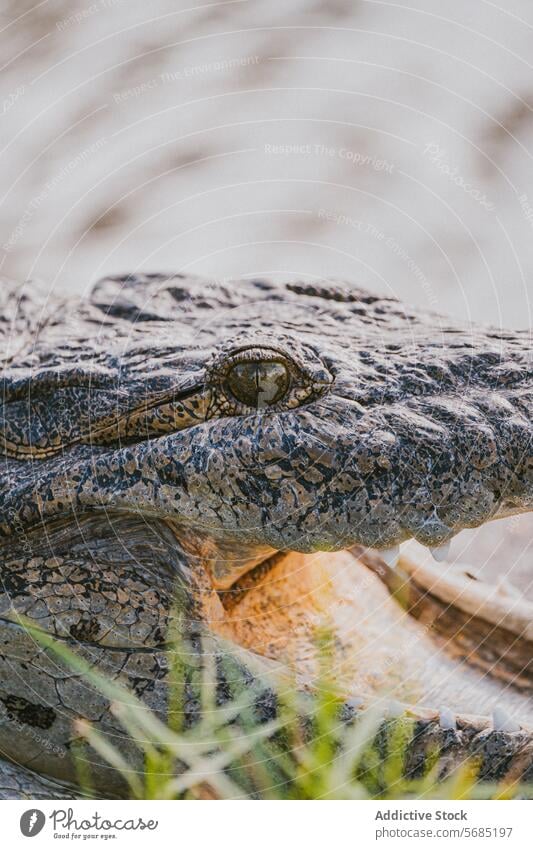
(478, 605)
(451, 640)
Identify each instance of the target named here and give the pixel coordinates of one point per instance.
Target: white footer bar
(268, 825)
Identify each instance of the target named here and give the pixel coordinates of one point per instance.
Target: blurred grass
(307, 751)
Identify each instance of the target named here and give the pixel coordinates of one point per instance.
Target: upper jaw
(324, 476)
(375, 478)
(428, 466)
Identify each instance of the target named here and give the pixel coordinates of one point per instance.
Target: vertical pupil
(258, 384)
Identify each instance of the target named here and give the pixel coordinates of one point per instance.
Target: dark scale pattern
(38, 716)
(119, 435)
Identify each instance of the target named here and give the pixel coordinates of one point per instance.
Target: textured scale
(138, 460)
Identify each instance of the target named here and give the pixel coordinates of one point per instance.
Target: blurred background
(383, 142)
(387, 143)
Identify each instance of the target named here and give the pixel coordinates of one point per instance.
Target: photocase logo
(32, 822)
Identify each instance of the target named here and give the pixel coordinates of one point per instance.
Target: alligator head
(294, 416)
(254, 417)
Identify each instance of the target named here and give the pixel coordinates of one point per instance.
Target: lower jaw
(380, 650)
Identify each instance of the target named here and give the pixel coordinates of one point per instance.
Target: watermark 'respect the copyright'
(354, 157)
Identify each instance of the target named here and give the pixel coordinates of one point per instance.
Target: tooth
(441, 552)
(501, 721)
(390, 556)
(447, 719)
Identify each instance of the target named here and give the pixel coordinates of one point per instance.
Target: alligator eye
(258, 384)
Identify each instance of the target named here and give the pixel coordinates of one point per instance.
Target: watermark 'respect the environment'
(390, 242)
(36, 202)
(185, 73)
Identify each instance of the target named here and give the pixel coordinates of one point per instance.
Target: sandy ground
(387, 143)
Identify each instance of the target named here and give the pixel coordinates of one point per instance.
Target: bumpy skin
(128, 462)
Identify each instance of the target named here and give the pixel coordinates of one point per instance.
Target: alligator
(251, 454)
